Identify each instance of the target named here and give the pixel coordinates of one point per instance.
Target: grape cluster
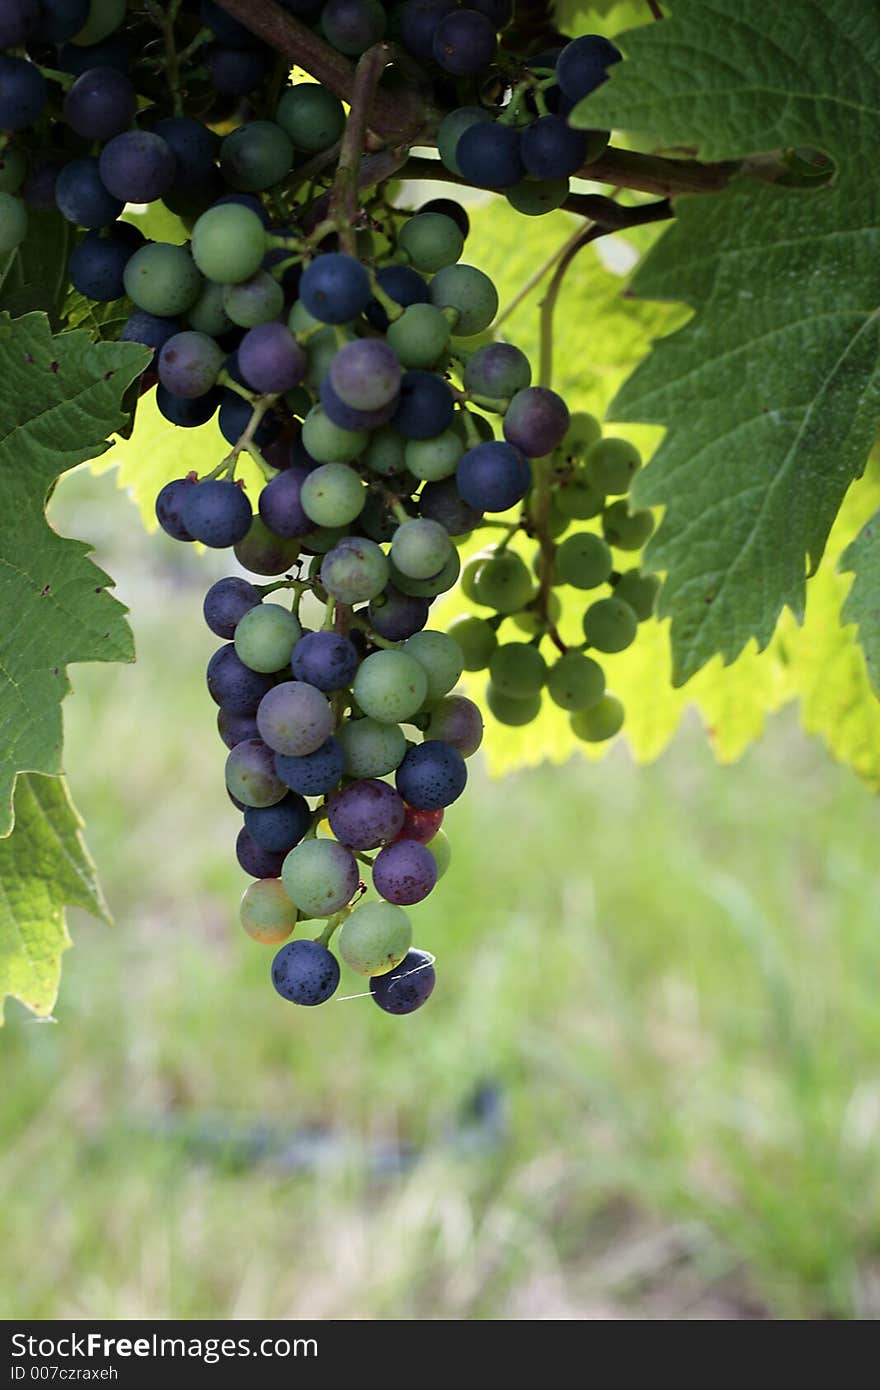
(355, 368)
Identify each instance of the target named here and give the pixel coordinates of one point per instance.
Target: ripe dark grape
(396, 616)
(326, 660)
(187, 414)
(493, 477)
(76, 58)
(458, 721)
(256, 861)
(346, 417)
(497, 370)
(97, 267)
(452, 128)
(80, 192)
(314, 774)
(402, 284)
(234, 686)
(407, 987)
(23, 93)
(404, 872)
(551, 149)
(235, 728)
(236, 71)
(224, 27)
(189, 364)
(278, 828)
(583, 65)
(335, 288)
(217, 513)
(149, 329)
(432, 775)
(464, 42)
(294, 718)
(100, 104)
(18, 19)
(137, 166)
(169, 508)
(352, 26)
(366, 814)
(365, 374)
(425, 405)
(417, 25)
(442, 501)
(536, 421)
(270, 358)
(490, 155)
(194, 147)
(305, 972)
(280, 506)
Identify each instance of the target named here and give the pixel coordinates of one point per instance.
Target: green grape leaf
(44, 867)
(863, 603)
(59, 399)
(770, 394)
(606, 17)
(35, 277)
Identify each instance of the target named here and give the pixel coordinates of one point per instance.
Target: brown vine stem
(344, 200)
(655, 9)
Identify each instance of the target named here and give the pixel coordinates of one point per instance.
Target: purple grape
(536, 421)
(169, 508)
(226, 603)
(234, 686)
(417, 25)
(250, 774)
(404, 872)
(365, 374)
(18, 19)
(270, 358)
(236, 71)
(407, 987)
(342, 415)
(396, 616)
(464, 42)
(149, 329)
(458, 721)
(583, 65)
(100, 104)
(433, 774)
(38, 190)
(23, 93)
(326, 660)
(295, 718)
(217, 513)
(235, 728)
(497, 370)
(112, 52)
(315, 774)
(258, 862)
(335, 288)
(281, 826)
(425, 405)
(366, 814)
(189, 364)
(442, 502)
(137, 166)
(235, 416)
(402, 284)
(499, 11)
(493, 476)
(280, 506)
(305, 972)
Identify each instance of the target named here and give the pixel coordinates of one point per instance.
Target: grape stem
(344, 200)
(165, 17)
(374, 637)
(245, 442)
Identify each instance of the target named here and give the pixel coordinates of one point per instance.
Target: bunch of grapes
(355, 367)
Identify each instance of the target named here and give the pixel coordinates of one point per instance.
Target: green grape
(385, 453)
(470, 572)
(576, 681)
(582, 433)
(625, 529)
(517, 669)
(441, 659)
(257, 300)
(442, 852)
(323, 538)
(327, 443)
(355, 573)
(583, 560)
(371, 749)
(13, 223)
(162, 279)
(13, 167)
(207, 315)
(228, 243)
(432, 459)
(599, 722)
(375, 938)
(420, 336)
(477, 640)
(332, 495)
(530, 621)
(255, 156)
(429, 588)
(504, 583)
(610, 625)
(390, 686)
(299, 320)
(578, 498)
(266, 912)
(320, 351)
(320, 877)
(558, 522)
(105, 16)
(640, 591)
(312, 116)
(431, 240)
(612, 464)
(470, 293)
(262, 552)
(266, 636)
(509, 710)
(420, 548)
(453, 127)
(533, 197)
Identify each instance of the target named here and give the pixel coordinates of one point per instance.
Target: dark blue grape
(236, 71)
(313, 774)
(234, 686)
(402, 284)
(217, 513)
(270, 359)
(449, 208)
(97, 264)
(335, 288)
(112, 52)
(279, 827)
(38, 190)
(60, 19)
(407, 987)
(224, 27)
(583, 65)
(305, 972)
(169, 508)
(464, 42)
(489, 155)
(551, 149)
(499, 11)
(432, 775)
(226, 603)
(259, 863)
(493, 476)
(149, 329)
(194, 147)
(100, 104)
(327, 660)
(365, 814)
(417, 24)
(187, 414)
(137, 166)
(425, 407)
(236, 728)
(442, 501)
(82, 197)
(18, 19)
(280, 505)
(396, 616)
(235, 416)
(352, 26)
(23, 93)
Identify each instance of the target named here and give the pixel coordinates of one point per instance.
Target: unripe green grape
(558, 522)
(534, 197)
(432, 459)
(441, 659)
(162, 279)
(583, 560)
(356, 572)
(13, 223)
(582, 433)
(599, 722)
(323, 538)
(375, 938)
(470, 293)
(105, 16)
(576, 681)
(320, 351)
(504, 583)
(578, 497)
(385, 454)
(262, 552)
(312, 116)
(13, 167)
(442, 851)
(257, 300)
(477, 640)
(530, 621)
(612, 464)
(299, 320)
(327, 443)
(517, 669)
(508, 710)
(207, 315)
(332, 495)
(420, 336)
(265, 637)
(640, 591)
(250, 774)
(469, 574)
(610, 625)
(372, 749)
(229, 243)
(390, 686)
(420, 548)
(431, 241)
(266, 912)
(429, 588)
(320, 877)
(625, 529)
(255, 156)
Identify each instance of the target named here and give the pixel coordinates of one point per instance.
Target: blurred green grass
(670, 975)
